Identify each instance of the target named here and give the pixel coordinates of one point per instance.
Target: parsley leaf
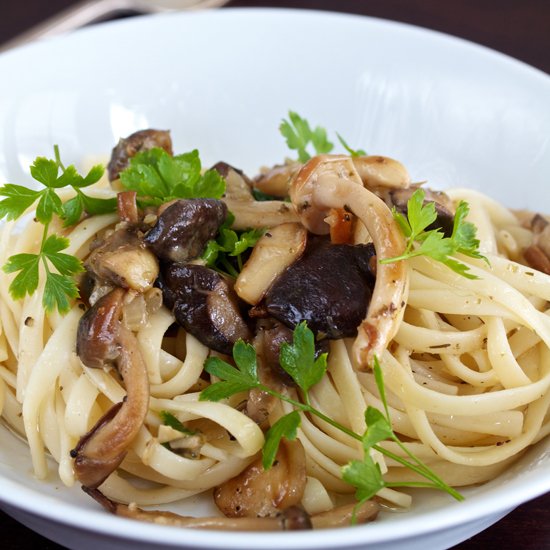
(286, 426)
(58, 291)
(18, 199)
(378, 428)
(64, 263)
(158, 177)
(433, 243)
(365, 476)
(168, 419)
(352, 152)
(227, 244)
(26, 281)
(59, 287)
(299, 136)
(298, 358)
(233, 380)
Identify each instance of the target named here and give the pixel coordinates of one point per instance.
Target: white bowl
(452, 112)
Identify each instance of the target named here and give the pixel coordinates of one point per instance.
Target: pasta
(466, 367)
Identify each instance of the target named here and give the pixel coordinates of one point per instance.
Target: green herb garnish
(168, 419)
(352, 152)
(299, 136)
(59, 287)
(298, 360)
(433, 243)
(158, 177)
(230, 244)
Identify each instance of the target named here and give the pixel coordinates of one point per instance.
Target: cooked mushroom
(124, 261)
(250, 213)
(327, 182)
(256, 492)
(538, 254)
(330, 287)
(102, 340)
(127, 207)
(342, 516)
(133, 144)
(184, 227)
(377, 171)
(274, 252)
(205, 304)
(275, 181)
(291, 519)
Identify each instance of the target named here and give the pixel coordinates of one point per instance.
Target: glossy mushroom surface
(103, 340)
(205, 304)
(184, 227)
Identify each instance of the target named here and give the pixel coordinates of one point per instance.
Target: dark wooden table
(520, 29)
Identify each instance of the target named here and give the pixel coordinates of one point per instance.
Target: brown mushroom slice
(260, 493)
(256, 214)
(184, 227)
(238, 186)
(273, 253)
(127, 207)
(205, 304)
(291, 519)
(342, 516)
(124, 261)
(329, 287)
(538, 254)
(126, 148)
(378, 171)
(249, 213)
(331, 181)
(275, 181)
(102, 339)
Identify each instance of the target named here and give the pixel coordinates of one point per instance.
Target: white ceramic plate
(456, 114)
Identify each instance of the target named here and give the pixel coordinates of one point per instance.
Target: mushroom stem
(342, 516)
(327, 182)
(291, 519)
(103, 448)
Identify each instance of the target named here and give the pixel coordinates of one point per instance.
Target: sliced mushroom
(124, 261)
(378, 171)
(330, 287)
(127, 207)
(274, 252)
(184, 227)
(275, 181)
(342, 516)
(238, 186)
(248, 212)
(205, 304)
(291, 519)
(139, 141)
(327, 182)
(538, 254)
(260, 493)
(102, 340)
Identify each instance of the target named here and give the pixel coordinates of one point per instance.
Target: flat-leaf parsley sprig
(301, 137)
(158, 177)
(228, 245)
(298, 360)
(433, 243)
(60, 286)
